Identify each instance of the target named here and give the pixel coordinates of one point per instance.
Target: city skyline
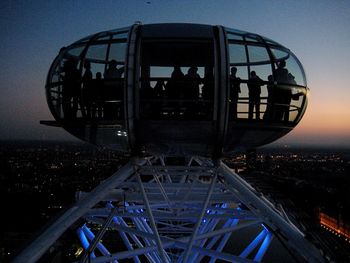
(315, 31)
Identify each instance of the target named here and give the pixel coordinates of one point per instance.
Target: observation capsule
(177, 89)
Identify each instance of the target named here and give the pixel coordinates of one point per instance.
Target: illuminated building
(336, 226)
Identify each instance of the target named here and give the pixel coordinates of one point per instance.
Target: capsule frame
(123, 89)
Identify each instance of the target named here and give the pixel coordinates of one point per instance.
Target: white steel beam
(271, 218)
(36, 249)
(199, 220)
(152, 222)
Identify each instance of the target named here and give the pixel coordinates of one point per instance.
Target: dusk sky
(318, 32)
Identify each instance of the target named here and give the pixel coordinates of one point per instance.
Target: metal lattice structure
(180, 212)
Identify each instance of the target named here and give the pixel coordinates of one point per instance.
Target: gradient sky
(318, 32)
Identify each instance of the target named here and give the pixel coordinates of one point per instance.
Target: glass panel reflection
(237, 53)
(258, 54)
(122, 35)
(234, 37)
(252, 38)
(294, 74)
(75, 52)
(97, 52)
(117, 51)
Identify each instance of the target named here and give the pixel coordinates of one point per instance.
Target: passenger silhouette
(287, 98)
(175, 84)
(269, 112)
(87, 91)
(114, 91)
(159, 98)
(98, 93)
(113, 72)
(174, 90)
(282, 93)
(281, 73)
(70, 89)
(192, 80)
(159, 89)
(254, 88)
(291, 79)
(208, 84)
(208, 92)
(191, 91)
(235, 89)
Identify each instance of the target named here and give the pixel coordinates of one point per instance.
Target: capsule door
(175, 92)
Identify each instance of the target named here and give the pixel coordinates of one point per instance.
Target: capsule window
(75, 52)
(237, 54)
(231, 36)
(97, 52)
(117, 51)
(258, 55)
(121, 35)
(176, 80)
(293, 72)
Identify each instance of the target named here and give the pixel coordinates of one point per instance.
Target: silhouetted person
(208, 84)
(175, 84)
(174, 88)
(159, 98)
(287, 97)
(270, 99)
(208, 91)
(191, 91)
(281, 73)
(98, 93)
(113, 72)
(87, 91)
(114, 90)
(70, 89)
(235, 89)
(159, 89)
(281, 93)
(192, 80)
(254, 88)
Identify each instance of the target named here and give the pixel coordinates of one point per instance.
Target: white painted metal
(181, 213)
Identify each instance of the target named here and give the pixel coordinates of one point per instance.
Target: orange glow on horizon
(326, 116)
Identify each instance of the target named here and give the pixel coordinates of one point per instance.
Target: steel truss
(185, 212)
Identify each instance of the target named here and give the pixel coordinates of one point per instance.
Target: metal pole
(99, 236)
(264, 246)
(253, 244)
(199, 220)
(153, 224)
